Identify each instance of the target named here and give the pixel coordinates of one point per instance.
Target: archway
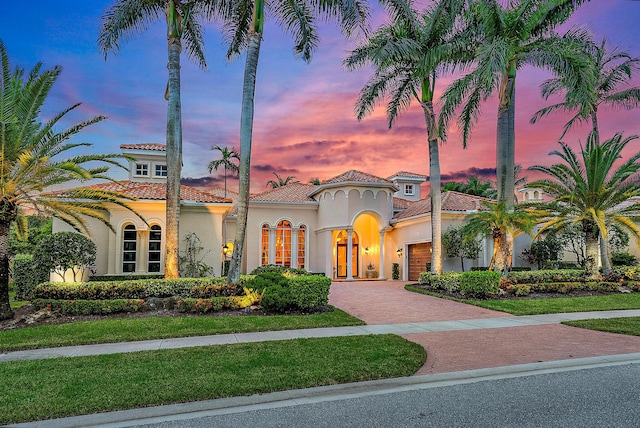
(342, 248)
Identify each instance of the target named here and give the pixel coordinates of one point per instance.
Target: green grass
(630, 326)
(132, 329)
(45, 389)
(552, 305)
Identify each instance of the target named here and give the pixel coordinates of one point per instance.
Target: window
(301, 245)
(160, 170)
(264, 255)
(283, 244)
(129, 249)
(142, 169)
(408, 189)
(155, 244)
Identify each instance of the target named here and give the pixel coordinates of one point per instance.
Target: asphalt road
(596, 397)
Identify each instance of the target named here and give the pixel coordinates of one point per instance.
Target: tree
(281, 181)
(408, 55)
(589, 192)
(244, 29)
(542, 251)
(64, 251)
(32, 161)
(226, 161)
(315, 181)
(127, 17)
(25, 241)
(612, 71)
(473, 186)
(456, 244)
(508, 37)
(501, 223)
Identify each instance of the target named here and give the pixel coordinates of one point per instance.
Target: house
(341, 227)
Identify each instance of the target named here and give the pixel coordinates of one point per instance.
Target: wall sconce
(399, 252)
(227, 249)
(366, 250)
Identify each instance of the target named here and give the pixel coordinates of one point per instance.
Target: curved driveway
(387, 302)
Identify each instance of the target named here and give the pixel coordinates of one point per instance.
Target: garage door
(419, 256)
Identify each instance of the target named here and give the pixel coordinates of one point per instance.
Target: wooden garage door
(419, 256)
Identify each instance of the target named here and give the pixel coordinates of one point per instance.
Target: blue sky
(304, 121)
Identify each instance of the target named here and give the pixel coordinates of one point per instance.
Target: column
(272, 245)
(294, 247)
(349, 255)
(381, 262)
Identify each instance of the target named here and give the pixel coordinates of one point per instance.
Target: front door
(341, 260)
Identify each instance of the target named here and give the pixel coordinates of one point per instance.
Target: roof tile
(293, 192)
(356, 176)
(144, 146)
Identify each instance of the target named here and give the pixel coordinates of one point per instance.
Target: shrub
(538, 276)
(286, 271)
(480, 283)
(308, 292)
(479, 268)
(26, 275)
(105, 278)
(449, 281)
(395, 271)
(266, 279)
(424, 278)
(90, 307)
(623, 259)
(276, 298)
(520, 268)
(628, 273)
(212, 304)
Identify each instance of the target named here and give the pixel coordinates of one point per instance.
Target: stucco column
(381, 262)
(272, 245)
(294, 247)
(349, 255)
(142, 250)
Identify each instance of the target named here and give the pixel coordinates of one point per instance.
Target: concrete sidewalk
(405, 329)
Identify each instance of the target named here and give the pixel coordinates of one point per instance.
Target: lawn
(53, 388)
(630, 326)
(132, 329)
(551, 305)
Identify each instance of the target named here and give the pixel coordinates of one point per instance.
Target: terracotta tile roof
(219, 191)
(144, 146)
(156, 191)
(357, 177)
(451, 201)
(402, 204)
(294, 192)
(406, 174)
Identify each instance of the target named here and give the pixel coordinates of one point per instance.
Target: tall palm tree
(408, 55)
(127, 17)
(588, 191)
(31, 162)
(502, 223)
(281, 181)
(226, 161)
(612, 71)
(509, 36)
(244, 30)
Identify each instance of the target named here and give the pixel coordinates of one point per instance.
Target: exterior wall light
(227, 249)
(366, 250)
(399, 252)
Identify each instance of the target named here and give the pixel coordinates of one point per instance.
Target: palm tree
(502, 223)
(226, 161)
(281, 182)
(509, 37)
(589, 192)
(31, 162)
(408, 55)
(127, 17)
(612, 70)
(244, 30)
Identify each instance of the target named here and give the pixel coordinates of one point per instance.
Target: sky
(304, 123)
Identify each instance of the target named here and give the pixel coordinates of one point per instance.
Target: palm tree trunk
(246, 132)
(591, 257)
(5, 307)
(174, 163)
(605, 261)
(434, 182)
(505, 142)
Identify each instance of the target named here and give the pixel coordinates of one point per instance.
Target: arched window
(301, 245)
(283, 244)
(129, 248)
(536, 195)
(155, 245)
(526, 196)
(264, 248)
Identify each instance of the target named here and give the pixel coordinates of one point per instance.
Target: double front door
(341, 261)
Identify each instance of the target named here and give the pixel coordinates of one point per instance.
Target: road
(595, 397)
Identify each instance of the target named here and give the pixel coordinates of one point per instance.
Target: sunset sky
(304, 121)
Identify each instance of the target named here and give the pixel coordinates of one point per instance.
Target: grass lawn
(45, 389)
(131, 329)
(630, 326)
(552, 305)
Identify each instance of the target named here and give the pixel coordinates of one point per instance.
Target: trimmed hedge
(480, 283)
(104, 278)
(26, 275)
(542, 276)
(90, 307)
(213, 304)
(309, 292)
(139, 289)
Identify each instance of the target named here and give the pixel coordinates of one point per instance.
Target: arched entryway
(342, 249)
(358, 252)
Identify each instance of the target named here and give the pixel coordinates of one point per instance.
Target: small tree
(572, 240)
(457, 245)
(64, 251)
(26, 241)
(191, 264)
(543, 251)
